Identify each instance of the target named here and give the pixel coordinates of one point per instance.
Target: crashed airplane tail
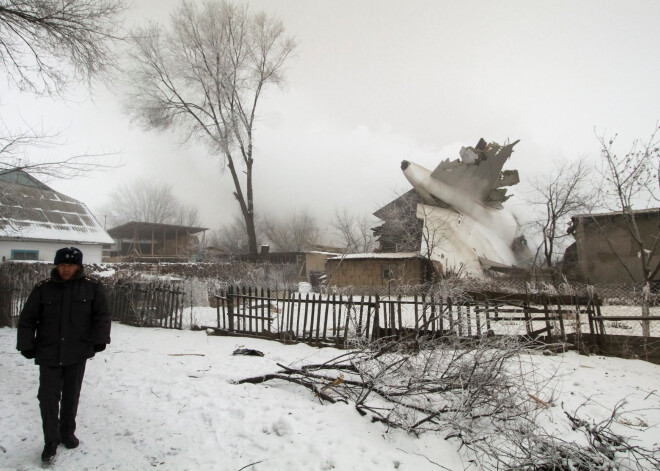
(475, 226)
(479, 172)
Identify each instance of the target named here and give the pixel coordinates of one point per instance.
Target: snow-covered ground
(165, 399)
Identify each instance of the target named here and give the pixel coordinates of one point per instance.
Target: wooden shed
(379, 269)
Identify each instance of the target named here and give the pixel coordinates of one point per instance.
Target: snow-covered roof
(321, 252)
(36, 212)
(636, 212)
(380, 256)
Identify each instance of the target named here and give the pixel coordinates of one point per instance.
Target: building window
(388, 274)
(25, 255)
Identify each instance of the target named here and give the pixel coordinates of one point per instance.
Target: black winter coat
(63, 320)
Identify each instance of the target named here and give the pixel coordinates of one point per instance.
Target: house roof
(498, 267)
(407, 200)
(636, 212)
(31, 210)
(379, 256)
(144, 230)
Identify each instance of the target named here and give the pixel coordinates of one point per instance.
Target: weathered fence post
(546, 310)
(375, 335)
(230, 308)
(487, 310)
(528, 320)
(561, 317)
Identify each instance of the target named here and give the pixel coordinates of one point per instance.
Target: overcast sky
(375, 82)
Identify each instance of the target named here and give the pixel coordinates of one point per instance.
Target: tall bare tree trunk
(205, 73)
(251, 233)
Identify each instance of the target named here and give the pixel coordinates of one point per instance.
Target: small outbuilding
(605, 250)
(379, 269)
(36, 221)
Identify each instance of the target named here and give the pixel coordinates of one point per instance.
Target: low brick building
(379, 269)
(605, 251)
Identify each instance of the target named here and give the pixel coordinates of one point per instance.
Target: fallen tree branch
(251, 464)
(311, 386)
(476, 392)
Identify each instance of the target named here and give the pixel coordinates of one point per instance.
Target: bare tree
(355, 232)
(145, 201)
(565, 191)
(47, 44)
(231, 238)
(186, 215)
(295, 233)
(435, 229)
(206, 73)
(631, 180)
(15, 147)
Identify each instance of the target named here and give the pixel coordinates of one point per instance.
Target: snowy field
(165, 399)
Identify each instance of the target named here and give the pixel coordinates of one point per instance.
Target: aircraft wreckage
(464, 226)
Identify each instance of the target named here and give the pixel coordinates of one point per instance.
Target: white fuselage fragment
(469, 231)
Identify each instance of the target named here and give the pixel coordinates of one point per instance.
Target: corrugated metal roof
(37, 212)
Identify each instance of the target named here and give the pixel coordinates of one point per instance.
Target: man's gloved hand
(29, 354)
(99, 347)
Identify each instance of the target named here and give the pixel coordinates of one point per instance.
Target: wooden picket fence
(16, 283)
(343, 321)
(292, 317)
(12, 300)
(147, 304)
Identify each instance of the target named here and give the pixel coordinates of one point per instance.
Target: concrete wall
(91, 253)
(603, 246)
(371, 272)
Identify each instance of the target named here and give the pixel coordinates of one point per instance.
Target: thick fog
(375, 82)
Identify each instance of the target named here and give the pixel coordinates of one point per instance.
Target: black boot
(70, 441)
(49, 451)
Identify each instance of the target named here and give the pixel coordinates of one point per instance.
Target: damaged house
(455, 216)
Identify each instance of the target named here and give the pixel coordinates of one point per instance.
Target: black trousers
(59, 392)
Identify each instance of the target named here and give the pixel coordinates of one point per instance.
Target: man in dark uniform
(64, 322)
